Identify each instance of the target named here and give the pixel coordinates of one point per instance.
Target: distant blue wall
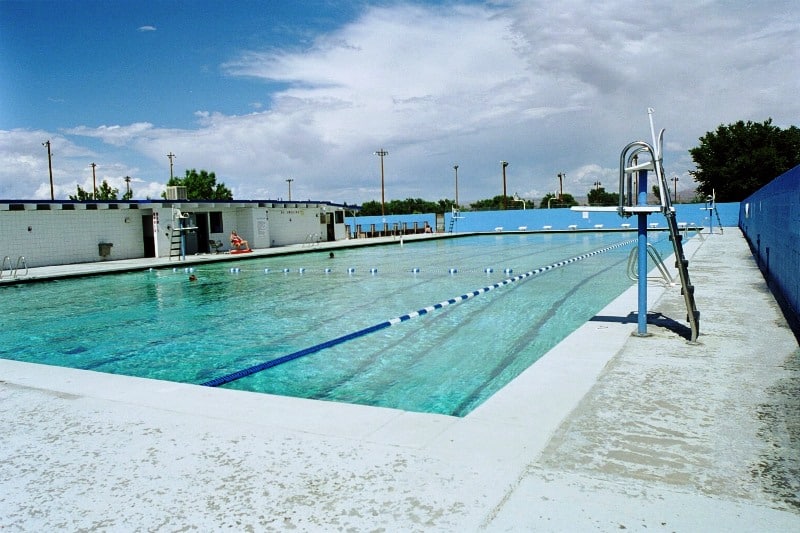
(558, 219)
(770, 220)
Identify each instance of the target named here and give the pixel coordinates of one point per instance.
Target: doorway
(147, 236)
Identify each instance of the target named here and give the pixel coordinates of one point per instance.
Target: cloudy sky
(261, 92)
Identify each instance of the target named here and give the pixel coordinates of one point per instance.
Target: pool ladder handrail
(13, 271)
(666, 277)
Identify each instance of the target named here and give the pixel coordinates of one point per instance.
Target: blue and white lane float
(216, 382)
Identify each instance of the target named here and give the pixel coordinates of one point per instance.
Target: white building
(62, 232)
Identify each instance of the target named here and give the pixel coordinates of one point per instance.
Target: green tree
(409, 206)
(599, 196)
(201, 186)
(104, 192)
(551, 200)
(498, 203)
(738, 159)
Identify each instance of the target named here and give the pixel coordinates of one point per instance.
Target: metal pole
(505, 200)
(289, 181)
(642, 254)
(382, 153)
(455, 167)
(675, 189)
(561, 177)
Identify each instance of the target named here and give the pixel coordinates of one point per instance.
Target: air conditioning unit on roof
(176, 193)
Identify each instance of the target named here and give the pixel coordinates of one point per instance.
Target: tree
(599, 196)
(738, 159)
(498, 203)
(201, 186)
(409, 206)
(104, 192)
(551, 200)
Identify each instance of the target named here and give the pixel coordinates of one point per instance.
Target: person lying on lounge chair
(237, 243)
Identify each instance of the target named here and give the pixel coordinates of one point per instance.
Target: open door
(147, 236)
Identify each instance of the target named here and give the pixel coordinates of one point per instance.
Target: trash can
(105, 249)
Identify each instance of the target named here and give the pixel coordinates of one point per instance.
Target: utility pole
(128, 184)
(289, 181)
(561, 177)
(455, 167)
(382, 153)
(94, 180)
(505, 199)
(50, 166)
(171, 156)
(675, 189)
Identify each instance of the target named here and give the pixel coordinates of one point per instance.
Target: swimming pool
(158, 324)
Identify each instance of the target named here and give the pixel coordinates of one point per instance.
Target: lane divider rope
(228, 378)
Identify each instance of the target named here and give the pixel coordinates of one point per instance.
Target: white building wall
(47, 234)
(55, 236)
(295, 223)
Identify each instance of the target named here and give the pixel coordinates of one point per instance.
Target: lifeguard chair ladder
(629, 166)
(177, 239)
(455, 216)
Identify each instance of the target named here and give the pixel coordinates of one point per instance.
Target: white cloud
(116, 135)
(548, 86)
(146, 28)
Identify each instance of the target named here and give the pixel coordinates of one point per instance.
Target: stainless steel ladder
(21, 262)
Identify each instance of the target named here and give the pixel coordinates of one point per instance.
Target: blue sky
(264, 91)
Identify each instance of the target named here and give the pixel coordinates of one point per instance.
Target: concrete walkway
(607, 432)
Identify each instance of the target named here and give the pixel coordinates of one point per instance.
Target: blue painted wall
(558, 219)
(770, 221)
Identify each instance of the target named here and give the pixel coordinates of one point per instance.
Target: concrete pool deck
(608, 431)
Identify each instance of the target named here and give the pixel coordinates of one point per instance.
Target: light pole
(504, 164)
(50, 166)
(289, 181)
(675, 189)
(382, 153)
(128, 185)
(94, 180)
(561, 177)
(171, 156)
(455, 167)
(597, 185)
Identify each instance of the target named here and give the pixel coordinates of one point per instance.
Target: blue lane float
(223, 380)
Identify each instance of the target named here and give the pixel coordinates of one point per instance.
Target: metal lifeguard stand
(635, 203)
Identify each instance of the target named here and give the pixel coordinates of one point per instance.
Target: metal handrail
(657, 259)
(21, 259)
(14, 272)
(3, 266)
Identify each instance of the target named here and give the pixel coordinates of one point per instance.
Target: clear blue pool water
(158, 324)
